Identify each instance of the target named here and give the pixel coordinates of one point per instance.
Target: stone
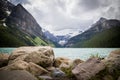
(50, 69)
(114, 53)
(30, 67)
(18, 65)
(45, 77)
(112, 67)
(36, 69)
(43, 56)
(57, 73)
(76, 62)
(16, 75)
(113, 63)
(88, 69)
(3, 59)
(62, 60)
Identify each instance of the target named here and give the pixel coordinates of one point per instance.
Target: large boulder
(112, 67)
(16, 75)
(18, 65)
(88, 69)
(30, 67)
(3, 59)
(113, 64)
(114, 53)
(42, 56)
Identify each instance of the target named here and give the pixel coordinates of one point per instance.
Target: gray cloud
(56, 15)
(90, 4)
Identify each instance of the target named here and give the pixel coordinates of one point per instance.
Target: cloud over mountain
(56, 15)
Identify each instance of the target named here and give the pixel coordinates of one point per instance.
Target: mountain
(50, 36)
(20, 18)
(5, 8)
(108, 38)
(99, 28)
(60, 40)
(18, 27)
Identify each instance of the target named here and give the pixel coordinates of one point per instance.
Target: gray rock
(62, 60)
(56, 73)
(76, 62)
(88, 69)
(16, 75)
(42, 56)
(18, 65)
(45, 77)
(30, 67)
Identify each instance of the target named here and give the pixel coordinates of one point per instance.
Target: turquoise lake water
(73, 53)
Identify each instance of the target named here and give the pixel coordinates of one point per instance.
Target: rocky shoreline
(39, 63)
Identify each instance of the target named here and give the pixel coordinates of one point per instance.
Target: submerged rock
(42, 56)
(16, 75)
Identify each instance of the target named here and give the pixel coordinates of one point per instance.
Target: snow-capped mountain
(60, 39)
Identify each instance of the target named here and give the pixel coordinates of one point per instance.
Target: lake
(73, 53)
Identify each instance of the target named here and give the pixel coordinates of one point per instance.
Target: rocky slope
(98, 28)
(19, 27)
(20, 18)
(5, 8)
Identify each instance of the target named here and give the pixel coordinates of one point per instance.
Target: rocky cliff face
(5, 8)
(24, 21)
(18, 27)
(103, 24)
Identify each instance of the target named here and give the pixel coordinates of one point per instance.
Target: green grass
(40, 41)
(95, 56)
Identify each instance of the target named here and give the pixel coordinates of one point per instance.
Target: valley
(19, 28)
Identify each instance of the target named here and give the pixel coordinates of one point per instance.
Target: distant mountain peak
(101, 25)
(19, 5)
(102, 19)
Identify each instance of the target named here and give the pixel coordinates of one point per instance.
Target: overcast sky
(70, 15)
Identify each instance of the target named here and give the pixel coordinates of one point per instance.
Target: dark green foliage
(107, 38)
(7, 39)
(13, 37)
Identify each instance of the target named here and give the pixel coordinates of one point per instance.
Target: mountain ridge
(21, 25)
(101, 25)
